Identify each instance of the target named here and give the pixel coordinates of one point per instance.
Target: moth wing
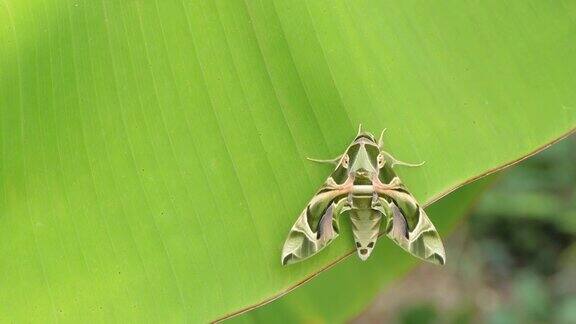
(410, 228)
(315, 228)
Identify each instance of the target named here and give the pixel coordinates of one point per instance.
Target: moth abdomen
(365, 228)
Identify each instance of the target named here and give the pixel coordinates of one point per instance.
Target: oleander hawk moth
(364, 187)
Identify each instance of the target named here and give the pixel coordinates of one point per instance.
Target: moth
(364, 187)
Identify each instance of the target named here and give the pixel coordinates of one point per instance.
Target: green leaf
(152, 153)
(344, 291)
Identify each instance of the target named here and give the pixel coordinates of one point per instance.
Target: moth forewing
(412, 229)
(317, 225)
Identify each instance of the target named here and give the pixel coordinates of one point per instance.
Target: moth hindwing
(364, 187)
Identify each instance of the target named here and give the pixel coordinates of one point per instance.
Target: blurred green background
(513, 260)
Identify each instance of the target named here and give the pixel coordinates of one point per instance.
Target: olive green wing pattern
(409, 227)
(316, 226)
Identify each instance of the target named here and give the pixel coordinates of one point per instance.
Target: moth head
(363, 158)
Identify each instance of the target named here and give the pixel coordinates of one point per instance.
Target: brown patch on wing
(325, 228)
(399, 225)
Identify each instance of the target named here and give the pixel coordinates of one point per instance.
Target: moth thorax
(365, 227)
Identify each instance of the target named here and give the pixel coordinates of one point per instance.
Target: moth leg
(347, 185)
(376, 201)
(395, 161)
(381, 188)
(379, 204)
(343, 205)
(329, 161)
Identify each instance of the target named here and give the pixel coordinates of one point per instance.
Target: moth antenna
(359, 129)
(330, 161)
(381, 139)
(409, 164)
(395, 161)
